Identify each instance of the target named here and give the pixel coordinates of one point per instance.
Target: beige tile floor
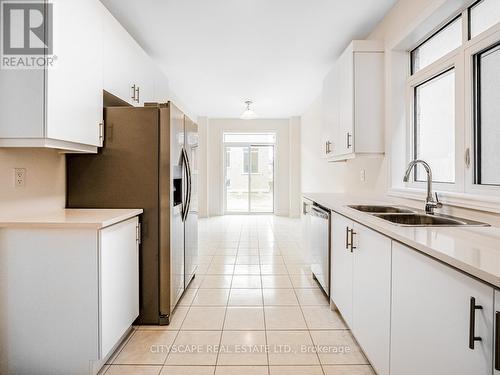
(253, 309)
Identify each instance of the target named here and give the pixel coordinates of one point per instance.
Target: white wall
(216, 128)
(202, 167)
(45, 180)
(295, 167)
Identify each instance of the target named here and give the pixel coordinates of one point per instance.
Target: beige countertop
(473, 250)
(68, 218)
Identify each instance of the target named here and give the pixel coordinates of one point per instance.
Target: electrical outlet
(19, 177)
(362, 175)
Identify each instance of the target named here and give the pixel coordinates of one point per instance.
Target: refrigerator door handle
(187, 198)
(190, 184)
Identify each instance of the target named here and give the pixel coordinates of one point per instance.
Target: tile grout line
(225, 312)
(264, 315)
(309, 331)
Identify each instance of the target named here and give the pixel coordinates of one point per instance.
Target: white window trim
(463, 193)
(453, 60)
(473, 47)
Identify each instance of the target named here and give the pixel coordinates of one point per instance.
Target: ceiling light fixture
(248, 114)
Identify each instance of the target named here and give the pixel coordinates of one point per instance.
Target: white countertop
(473, 250)
(68, 218)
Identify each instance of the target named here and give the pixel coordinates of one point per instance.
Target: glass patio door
(237, 189)
(249, 178)
(262, 179)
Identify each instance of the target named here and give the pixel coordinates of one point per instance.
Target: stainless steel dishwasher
(319, 239)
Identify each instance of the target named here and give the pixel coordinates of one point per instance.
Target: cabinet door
(74, 84)
(127, 68)
(119, 282)
(161, 87)
(119, 60)
(22, 105)
(431, 316)
(341, 267)
(145, 76)
(496, 335)
(345, 133)
(330, 101)
(372, 295)
(369, 102)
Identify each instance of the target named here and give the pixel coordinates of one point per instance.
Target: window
(438, 45)
(483, 15)
(434, 127)
(486, 116)
(228, 159)
(254, 162)
(453, 91)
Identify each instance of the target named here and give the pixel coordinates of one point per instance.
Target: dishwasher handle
(319, 212)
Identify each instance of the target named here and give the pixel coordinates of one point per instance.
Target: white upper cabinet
(129, 73)
(353, 102)
(60, 106)
(74, 86)
(330, 107)
(161, 88)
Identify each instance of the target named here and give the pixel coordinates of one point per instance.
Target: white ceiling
(218, 53)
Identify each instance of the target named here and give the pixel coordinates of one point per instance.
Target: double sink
(407, 217)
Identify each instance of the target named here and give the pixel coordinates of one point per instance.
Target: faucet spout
(430, 202)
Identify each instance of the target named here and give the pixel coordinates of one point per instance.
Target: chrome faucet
(430, 202)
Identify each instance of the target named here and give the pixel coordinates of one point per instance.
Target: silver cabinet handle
(347, 231)
(138, 91)
(134, 90)
(328, 145)
(352, 241)
(101, 133)
(349, 136)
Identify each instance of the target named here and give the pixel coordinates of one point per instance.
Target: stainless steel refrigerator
(149, 161)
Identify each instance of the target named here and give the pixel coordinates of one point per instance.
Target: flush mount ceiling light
(248, 114)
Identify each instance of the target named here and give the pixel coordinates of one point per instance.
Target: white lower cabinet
(361, 286)
(371, 323)
(433, 318)
(341, 266)
(68, 295)
(119, 282)
(496, 336)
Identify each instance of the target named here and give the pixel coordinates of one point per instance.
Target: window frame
(415, 123)
(478, 44)
(452, 60)
(462, 59)
(469, 22)
(432, 35)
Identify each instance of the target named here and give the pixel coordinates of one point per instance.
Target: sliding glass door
(237, 189)
(249, 178)
(262, 178)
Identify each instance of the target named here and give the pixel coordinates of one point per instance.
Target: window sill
(462, 200)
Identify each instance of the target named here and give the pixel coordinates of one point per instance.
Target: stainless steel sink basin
(382, 209)
(423, 220)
